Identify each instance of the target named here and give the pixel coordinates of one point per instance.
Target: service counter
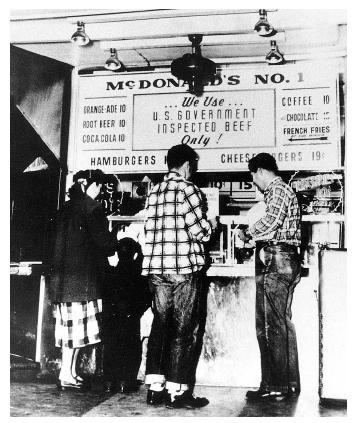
(230, 355)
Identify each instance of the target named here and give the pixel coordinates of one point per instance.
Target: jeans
(174, 342)
(276, 278)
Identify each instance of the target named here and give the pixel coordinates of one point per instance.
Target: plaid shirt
(175, 228)
(282, 219)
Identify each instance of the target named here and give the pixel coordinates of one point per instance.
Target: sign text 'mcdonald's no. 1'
(127, 122)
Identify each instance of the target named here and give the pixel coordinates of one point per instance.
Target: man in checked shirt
(175, 231)
(277, 235)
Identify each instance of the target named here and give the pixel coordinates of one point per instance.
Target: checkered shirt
(175, 228)
(282, 219)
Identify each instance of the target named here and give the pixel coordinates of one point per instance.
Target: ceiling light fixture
(194, 68)
(80, 37)
(263, 27)
(112, 63)
(274, 57)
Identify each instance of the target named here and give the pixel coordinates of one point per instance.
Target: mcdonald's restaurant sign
(125, 123)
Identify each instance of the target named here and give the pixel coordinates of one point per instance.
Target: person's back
(174, 258)
(126, 298)
(82, 243)
(175, 231)
(124, 287)
(78, 263)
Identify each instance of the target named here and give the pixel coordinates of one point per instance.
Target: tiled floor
(43, 400)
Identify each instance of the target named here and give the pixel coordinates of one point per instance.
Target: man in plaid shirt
(277, 235)
(175, 230)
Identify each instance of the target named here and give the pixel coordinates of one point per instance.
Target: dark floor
(38, 399)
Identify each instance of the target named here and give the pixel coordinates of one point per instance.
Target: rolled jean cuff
(174, 387)
(279, 388)
(154, 378)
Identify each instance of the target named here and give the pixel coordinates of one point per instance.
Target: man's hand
(243, 235)
(215, 224)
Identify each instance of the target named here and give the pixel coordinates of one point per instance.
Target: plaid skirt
(77, 323)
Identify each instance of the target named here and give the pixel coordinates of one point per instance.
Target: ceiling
(153, 38)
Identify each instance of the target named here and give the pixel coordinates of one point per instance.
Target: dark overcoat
(81, 247)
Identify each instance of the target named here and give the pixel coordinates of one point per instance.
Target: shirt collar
(173, 175)
(271, 183)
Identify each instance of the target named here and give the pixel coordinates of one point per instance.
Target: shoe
(187, 400)
(263, 395)
(127, 387)
(156, 397)
(109, 387)
(67, 386)
(292, 393)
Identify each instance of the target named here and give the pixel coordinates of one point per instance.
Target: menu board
(125, 123)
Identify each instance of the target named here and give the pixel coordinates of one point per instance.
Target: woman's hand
(113, 260)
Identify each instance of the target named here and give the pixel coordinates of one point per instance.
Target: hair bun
(81, 174)
(93, 175)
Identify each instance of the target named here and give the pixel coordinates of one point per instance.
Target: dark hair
(88, 177)
(127, 248)
(179, 154)
(264, 161)
(92, 176)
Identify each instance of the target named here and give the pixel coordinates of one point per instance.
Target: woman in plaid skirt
(82, 244)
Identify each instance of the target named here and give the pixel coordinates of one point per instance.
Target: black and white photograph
(178, 210)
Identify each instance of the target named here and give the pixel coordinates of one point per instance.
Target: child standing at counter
(126, 298)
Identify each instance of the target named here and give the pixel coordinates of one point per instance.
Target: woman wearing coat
(81, 247)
